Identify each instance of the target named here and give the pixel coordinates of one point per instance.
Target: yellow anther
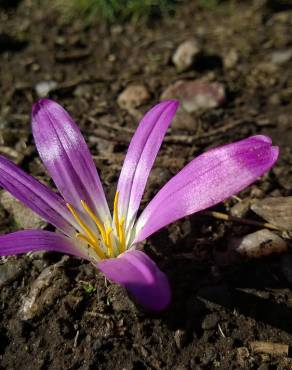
(109, 242)
(87, 229)
(95, 246)
(121, 233)
(95, 219)
(119, 224)
(93, 240)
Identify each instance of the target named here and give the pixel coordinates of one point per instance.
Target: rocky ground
(230, 66)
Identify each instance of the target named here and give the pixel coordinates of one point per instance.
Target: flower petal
(207, 180)
(37, 240)
(141, 277)
(141, 156)
(35, 195)
(65, 154)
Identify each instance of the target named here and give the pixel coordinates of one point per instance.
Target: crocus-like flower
(81, 213)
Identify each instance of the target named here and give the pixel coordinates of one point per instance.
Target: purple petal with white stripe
(35, 195)
(207, 180)
(37, 240)
(141, 277)
(66, 156)
(141, 155)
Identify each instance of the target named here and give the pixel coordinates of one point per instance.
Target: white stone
(185, 55)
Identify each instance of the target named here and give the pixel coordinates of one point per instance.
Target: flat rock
(23, 216)
(196, 95)
(275, 210)
(258, 244)
(185, 54)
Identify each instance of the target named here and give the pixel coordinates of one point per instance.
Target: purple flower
(81, 214)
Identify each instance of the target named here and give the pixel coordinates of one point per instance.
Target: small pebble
(185, 55)
(180, 338)
(241, 208)
(281, 56)
(133, 96)
(43, 88)
(258, 244)
(195, 95)
(230, 59)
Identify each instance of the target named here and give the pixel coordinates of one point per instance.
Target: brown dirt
(217, 311)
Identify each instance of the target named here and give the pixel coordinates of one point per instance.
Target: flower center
(109, 239)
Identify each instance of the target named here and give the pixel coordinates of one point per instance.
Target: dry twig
(226, 217)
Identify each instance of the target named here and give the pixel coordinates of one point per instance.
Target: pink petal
(37, 240)
(141, 277)
(35, 195)
(65, 154)
(141, 156)
(207, 180)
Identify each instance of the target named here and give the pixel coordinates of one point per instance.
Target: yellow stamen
(95, 219)
(109, 242)
(121, 233)
(95, 246)
(87, 229)
(119, 224)
(89, 236)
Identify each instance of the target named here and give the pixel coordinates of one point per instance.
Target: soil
(219, 309)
